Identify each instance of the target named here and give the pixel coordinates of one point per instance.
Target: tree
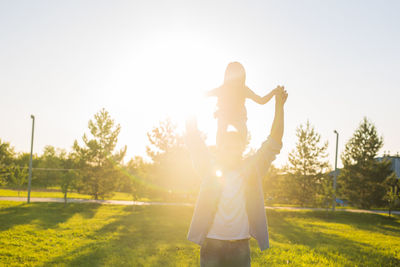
(18, 176)
(307, 165)
(171, 172)
(362, 178)
(277, 186)
(392, 195)
(98, 156)
(363, 146)
(6, 162)
(163, 139)
(68, 176)
(22, 160)
(133, 181)
(6, 153)
(11, 173)
(325, 197)
(48, 164)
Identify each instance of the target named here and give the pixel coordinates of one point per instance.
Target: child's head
(235, 74)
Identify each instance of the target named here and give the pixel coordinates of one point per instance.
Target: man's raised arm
(278, 124)
(272, 146)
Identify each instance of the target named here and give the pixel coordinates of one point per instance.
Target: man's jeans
(216, 252)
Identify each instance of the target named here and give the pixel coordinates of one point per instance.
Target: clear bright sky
(146, 60)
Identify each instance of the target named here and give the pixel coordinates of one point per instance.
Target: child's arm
(213, 92)
(268, 96)
(258, 99)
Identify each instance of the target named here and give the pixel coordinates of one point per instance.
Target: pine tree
(172, 170)
(163, 139)
(98, 157)
(361, 180)
(363, 146)
(307, 165)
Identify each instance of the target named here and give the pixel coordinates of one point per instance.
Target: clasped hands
(280, 94)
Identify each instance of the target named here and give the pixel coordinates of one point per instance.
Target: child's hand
(278, 89)
(281, 97)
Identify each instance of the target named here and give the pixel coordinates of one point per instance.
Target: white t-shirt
(231, 221)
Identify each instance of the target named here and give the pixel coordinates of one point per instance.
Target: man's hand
(281, 96)
(276, 90)
(278, 123)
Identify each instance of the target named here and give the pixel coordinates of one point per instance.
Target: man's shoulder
(271, 145)
(262, 158)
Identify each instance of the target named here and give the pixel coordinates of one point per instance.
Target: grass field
(55, 192)
(47, 234)
(59, 194)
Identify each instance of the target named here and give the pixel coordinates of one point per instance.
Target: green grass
(47, 234)
(372, 208)
(55, 192)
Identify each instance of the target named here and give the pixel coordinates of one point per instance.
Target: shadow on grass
(156, 235)
(43, 215)
(143, 236)
(284, 230)
(377, 223)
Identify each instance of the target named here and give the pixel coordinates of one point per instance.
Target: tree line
(307, 179)
(94, 166)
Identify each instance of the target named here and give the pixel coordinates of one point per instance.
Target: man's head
(230, 149)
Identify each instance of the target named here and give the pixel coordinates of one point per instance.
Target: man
(230, 205)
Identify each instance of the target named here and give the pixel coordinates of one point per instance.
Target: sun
(176, 70)
(180, 86)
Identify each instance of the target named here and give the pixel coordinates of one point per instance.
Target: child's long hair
(235, 75)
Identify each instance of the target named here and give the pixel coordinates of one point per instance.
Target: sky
(145, 61)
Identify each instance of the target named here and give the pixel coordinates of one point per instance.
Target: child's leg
(241, 126)
(222, 126)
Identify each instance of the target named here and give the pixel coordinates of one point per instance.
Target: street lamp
(30, 161)
(335, 174)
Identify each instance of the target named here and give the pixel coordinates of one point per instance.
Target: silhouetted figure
(230, 205)
(231, 96)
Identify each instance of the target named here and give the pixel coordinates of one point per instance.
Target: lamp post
(30, 160)
(335, 174)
